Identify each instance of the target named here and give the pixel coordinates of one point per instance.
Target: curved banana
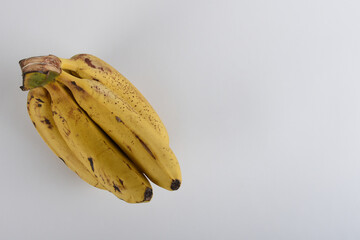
(127, 129)
(95, 150)
(39, 109)
(91, 67)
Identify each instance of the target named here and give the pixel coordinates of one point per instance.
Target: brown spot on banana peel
(121, 182)
(91, 163)
(116, 188)
(89, 63)
(39, 105)
(39, 100)
(34, 124)
(47, 122)
(129, 148)
(145, 146)
(118, 119)
(62, 118)
(128, 166)
(76, 86)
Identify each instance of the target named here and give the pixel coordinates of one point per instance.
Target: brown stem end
(38, 71)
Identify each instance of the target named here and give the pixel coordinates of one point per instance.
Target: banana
(39, 109)
(91, 67)
(96, 150)
(134, 135)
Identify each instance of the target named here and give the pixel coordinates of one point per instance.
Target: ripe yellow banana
(39, 109)
(91, 67)
(127, 129)
(95, 150)
(94, 119)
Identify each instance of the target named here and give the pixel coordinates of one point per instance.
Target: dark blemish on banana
(101, 68)
(145, 146)
(54, 112)
(47, 121)
(39, 100)
(89, 63)
(96, 79)
(76, 86)
(128, 166)
(116, 188)
(118, 119)
(91, 163)
(121, 181)
(128, 147)
(39, 105)
(34, 124)
(79, 110)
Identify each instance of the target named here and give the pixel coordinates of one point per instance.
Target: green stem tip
(37, 79)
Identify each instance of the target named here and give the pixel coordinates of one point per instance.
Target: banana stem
(38, 71)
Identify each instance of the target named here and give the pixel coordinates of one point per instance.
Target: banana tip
(175, 184)
(148, 194)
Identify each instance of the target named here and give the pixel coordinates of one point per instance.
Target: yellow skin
(95, 150)
(90, 67)
(39, 109)
(127, 128)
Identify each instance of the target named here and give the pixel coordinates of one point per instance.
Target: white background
(260, 99)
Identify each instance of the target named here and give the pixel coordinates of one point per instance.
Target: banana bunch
(99, 125)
